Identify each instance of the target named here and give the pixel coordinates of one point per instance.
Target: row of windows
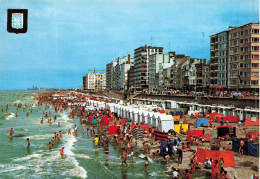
(249, 49)
(244, 32)
(252, 82)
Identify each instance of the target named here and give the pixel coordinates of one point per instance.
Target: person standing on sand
(241, 148)
(187, 174)
(124, 157)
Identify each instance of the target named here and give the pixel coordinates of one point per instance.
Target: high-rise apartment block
(141, 66)
(243, 61)
(234, 58)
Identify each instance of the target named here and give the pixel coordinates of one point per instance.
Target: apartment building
(94, 81)
(110, 75)
(175, 72)
(205, 76)
(243, 61)
(157, 63)
(213, 70)
(141, 66)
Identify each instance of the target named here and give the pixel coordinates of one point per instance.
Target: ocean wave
(10, 116)
(82, 156)
(28, 157)
(143, 156)
(45, 136)
(17, 101)
(11, 168)
(69, 142)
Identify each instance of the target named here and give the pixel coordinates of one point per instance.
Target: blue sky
(65, 38)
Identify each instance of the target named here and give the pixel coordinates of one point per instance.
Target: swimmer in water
(69, 132)
(50, 146)
(52, 141)
(11, 131)
(28, 143)
(60, 134)
(62, 151)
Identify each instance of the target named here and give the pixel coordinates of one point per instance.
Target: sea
(80, 161)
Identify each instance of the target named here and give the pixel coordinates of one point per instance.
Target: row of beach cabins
(141, 110)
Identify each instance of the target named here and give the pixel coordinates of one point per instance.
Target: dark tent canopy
(249, 148)
(224, 130)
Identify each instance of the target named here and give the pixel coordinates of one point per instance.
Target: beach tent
(149, 118)
(145, 117)
(198, 133)
(200, 121)
(165, 123)
(122, 111)
(161, 135)
(254, 134)
(176, 119)
(163, 148)
(138, 132)
(228, 157)
(229, 118)
(135, 115)
(253, 121)
(249, 148)
(90, 119)
(101, 105)
(128, 112)
(224, 130)
(142, 126)
(116, 106)
(95, 103)
(104, 120)
(177, 127)
(94, 121)
(139, 119)
(113, 129)
(169, 104)
(111, 107)
(155, 119)
(179, 113)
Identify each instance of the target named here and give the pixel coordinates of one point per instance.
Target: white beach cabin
(145, 117)
(165, 123)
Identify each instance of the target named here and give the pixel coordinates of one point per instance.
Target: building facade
(94, 81)
(141, 66)
(175, 72)
(205, 76)
(213, 70)
(243, 61)
(110, 75)
(223, 59)
(157, 63)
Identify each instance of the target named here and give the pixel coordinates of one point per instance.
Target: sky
(66, 38)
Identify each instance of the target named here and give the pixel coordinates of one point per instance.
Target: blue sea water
(81, 160)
